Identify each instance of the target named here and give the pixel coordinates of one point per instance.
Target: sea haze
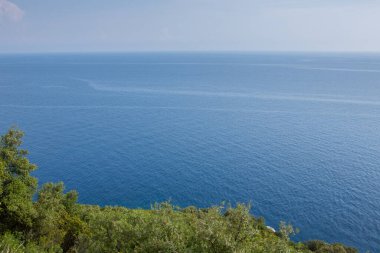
(298, 135)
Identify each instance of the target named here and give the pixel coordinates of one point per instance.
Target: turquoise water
(298, 135)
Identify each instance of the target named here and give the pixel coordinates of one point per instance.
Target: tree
(57, 225)
(17, 186)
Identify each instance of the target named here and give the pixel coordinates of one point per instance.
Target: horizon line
(194, 51)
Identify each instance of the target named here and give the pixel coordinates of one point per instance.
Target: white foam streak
(180, 108)
(261, 96)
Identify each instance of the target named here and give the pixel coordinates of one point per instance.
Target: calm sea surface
(298, 135)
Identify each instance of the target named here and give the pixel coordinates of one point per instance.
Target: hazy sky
(135, 25)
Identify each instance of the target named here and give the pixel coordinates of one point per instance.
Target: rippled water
(298, 135)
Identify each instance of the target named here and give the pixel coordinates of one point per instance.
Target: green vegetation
(49, 220)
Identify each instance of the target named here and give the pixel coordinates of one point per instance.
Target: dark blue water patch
(297, 135)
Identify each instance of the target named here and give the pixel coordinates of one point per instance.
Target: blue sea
(297, 135)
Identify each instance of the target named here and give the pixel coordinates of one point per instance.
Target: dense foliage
(50, 220)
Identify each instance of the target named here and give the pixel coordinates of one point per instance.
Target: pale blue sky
(155, 25)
